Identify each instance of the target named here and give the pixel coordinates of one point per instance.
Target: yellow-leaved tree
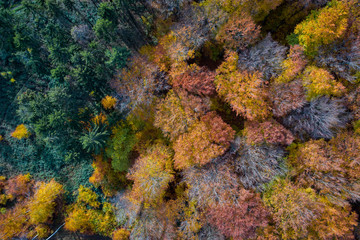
(246, 92)
(108, 102)
(20, 132)
(323, 27)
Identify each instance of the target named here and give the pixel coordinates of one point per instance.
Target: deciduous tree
(239, 32)
(212, 184)
(19, 187)
(239, 220)
(120, 145)
(245, 91)
(286, 97)
(43, 204)
(179, 111)
(323, 27)
(301, 213)
(196, 80)
(20, 132)
(258, 164)
(319, 82)
(265, 57)
(329, 167)
(151, 174)
(270, 132)
(206, 140)
(293, 64)
(321, 118)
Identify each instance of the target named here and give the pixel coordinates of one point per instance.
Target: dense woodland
(180, 119)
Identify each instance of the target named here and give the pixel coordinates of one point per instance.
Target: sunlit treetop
(323, 27)
(108, 102)
(20, 132)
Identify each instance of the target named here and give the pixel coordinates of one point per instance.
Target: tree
(265, 57)
(342, 58)
(258, 164)
(95, 139)
(188, 35)
(239, 220)
(120, 145)
(108, 102)
(329, 167)
(293, 65)
(286, 97)
(319, 82)
(42, 205)
(206, 140)
(301, 213)
(209, 232)
(154, 223)
(19, 187)
(270, 132)
(323, 27)
(82, 34)
(87, 215)
(105, 176)
(20, 132)
(244, 91)
(121, 234)
(196, 80)
(14, 222)
(137, 82)
(167, 8)
(212, 184)
(178, 112)
(321, 118)
(239, 32)
(151, 174)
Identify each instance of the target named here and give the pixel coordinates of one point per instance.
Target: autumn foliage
(300, 212)
(286, 97)
(293, 65)
(323, 27)
(196, 80)
(319, 82)
(246, 92)
(87, 215)
(270, 132)
(207, 139)
(330, 167)
(239, 32)
(108, 102)
(239, 220)
(20, 132)
(179, 111)
(151, 174)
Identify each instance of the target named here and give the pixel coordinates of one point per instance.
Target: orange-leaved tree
(196, 80)
(239, 220)
(179, 111)
(329, 167)
(206, 140)
(269, 131)
(239, 32)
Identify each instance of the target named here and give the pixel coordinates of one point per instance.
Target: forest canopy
(184, 119)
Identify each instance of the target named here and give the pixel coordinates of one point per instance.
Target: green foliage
(120, 146)
(95, 139)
